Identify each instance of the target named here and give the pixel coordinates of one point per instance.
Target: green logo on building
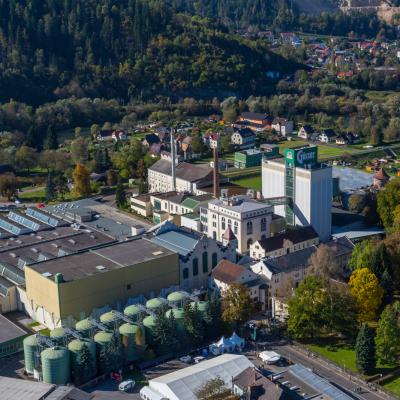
(301, 156)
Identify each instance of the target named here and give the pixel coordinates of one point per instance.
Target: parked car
(198, 359)
(186, 359)
(126, 386)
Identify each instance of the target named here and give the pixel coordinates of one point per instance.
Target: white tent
(269, 357)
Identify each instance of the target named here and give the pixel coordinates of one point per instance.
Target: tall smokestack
(216, 173)
(173, 157)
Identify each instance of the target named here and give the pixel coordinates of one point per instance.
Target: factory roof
(177, 240)
(111, 257)
(184, 170)
(9, 330)
(184, 383)
(12, 389)
(240, 204)
(290, 237)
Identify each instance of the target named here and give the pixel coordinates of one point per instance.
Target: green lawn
(343, 354)
(252, 182)
(36, 195)
(393, 386)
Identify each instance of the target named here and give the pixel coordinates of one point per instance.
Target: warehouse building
(307, 186)
(63, 290)
(183, 384)
(11, 337)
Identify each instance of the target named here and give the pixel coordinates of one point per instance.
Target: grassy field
(33, 196)
(342, 354)
(252, 182)
(393, 386)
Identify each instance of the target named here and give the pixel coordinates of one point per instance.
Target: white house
(283, 126)
(327, 135)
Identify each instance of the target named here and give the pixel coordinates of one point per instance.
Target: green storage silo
(133, 312)
(129, 334)
(201, 305)
(58, 336)
(84, 327)
(76, 350)
(179, 315)
(178, 298)
(149, 324)
(154, 304)
(30, 353)
(56, 366)
(108, 319)
(104, 341)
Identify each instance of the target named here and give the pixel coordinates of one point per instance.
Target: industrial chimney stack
(216, 173)
(173, 158)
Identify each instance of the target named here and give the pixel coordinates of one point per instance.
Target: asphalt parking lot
(108, 390)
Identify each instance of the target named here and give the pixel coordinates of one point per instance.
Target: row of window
(195, 265)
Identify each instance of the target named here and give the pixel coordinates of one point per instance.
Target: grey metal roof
(184, 170)
(318, 383)
(9, 331)
(351, 179)
(179, 242)
(12, 389)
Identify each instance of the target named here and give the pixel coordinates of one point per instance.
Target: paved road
(340, 379)
(108, 390)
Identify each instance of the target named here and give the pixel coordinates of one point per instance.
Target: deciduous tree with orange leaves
(81, 176)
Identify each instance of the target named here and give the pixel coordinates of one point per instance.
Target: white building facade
(250, 220)
(306, 184)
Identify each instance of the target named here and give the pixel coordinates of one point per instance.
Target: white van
(126, 386)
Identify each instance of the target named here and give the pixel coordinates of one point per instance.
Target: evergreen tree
(120, 195)
(193, 323)
(116, 351)
(365, 350)
(83, 366)
(105, 160)
(173, 331)
(105, 359)
(162, 335)
(50, 188)
(387, 285)
(51, 142)
(33, 139)
(213, 317)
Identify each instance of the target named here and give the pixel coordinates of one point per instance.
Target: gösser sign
(301, 156)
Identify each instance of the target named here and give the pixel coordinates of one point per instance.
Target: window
(185, 273)
(249, 242)
(205, 262)
(214, 235)
(128, 286)
(223, 225)
(249, 228)
(263, 224)
(214, 261)
(195, 267)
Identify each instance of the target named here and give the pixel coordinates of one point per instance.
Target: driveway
(108, 390)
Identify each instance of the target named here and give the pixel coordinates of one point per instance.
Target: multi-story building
(250, 220)
(307, 186)
(243, 138)
(189, 177)
(283, 126)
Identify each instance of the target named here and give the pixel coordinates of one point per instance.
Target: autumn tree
(387, 339)
(8, 185)
(323, 262)
(365, 288)
(81, 177)
(214, 389)
(237, 305)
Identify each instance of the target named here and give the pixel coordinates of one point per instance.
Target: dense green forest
(128, 49)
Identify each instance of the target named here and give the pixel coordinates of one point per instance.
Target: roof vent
(72, 241)
(101, 267)
(34, 250)
(157, 253)
(13, 255)
(47, 274)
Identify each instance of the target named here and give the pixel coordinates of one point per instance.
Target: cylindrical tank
(56, 366)
(178, 298)
(76, 350)
(103, 342)
(129, 333)
(84, 327)
(30, 350)
(149, 324)
(201, 305)
(133, 312)
(179, 317)
(153, 304)
(108, 319)
(58, 335)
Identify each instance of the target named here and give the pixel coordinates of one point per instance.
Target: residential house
(284, 243)
(198, 254)
(243, 139)
(283, 126)
(142, 205)
(163, 133)
(289, 38)
(111, 134)
(305, 132)
(257, 122)
(227, 273)
(327, 136)
(119, 134)
(252, 384)
(267, 35)
(186, 147)
(211, 140)
(346, 138)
